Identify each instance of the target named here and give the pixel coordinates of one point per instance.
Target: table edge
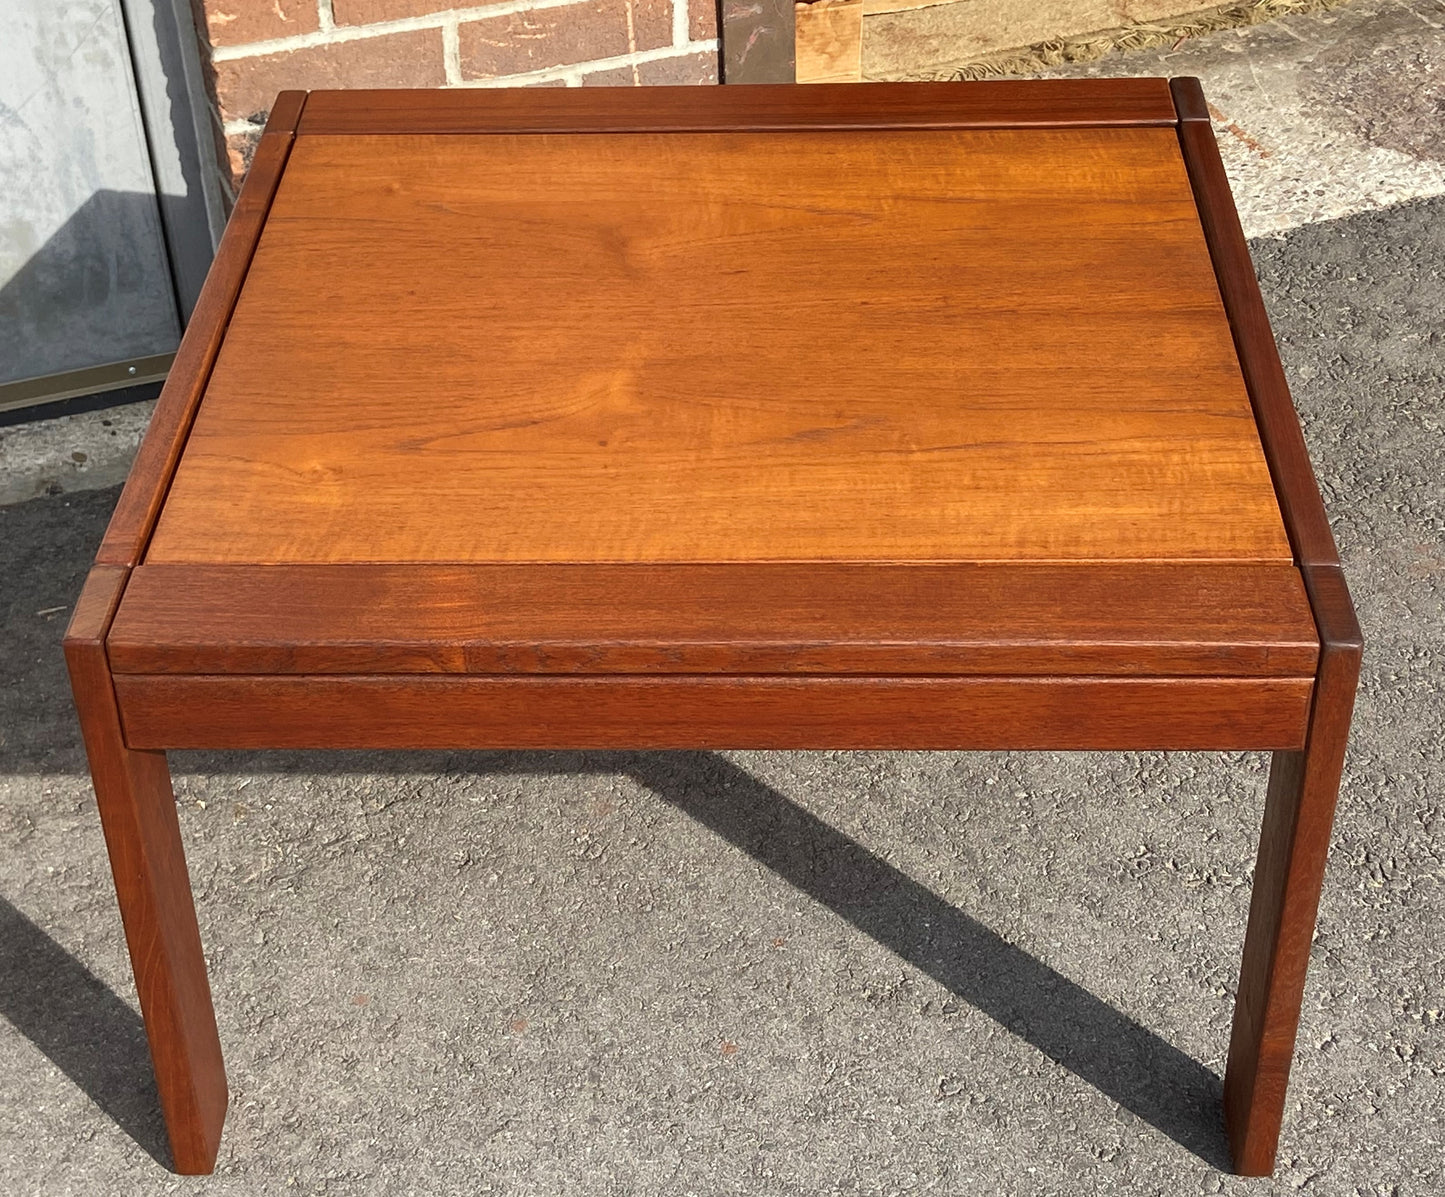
(1165, 619)
(139, 507)
(994, 103)
(692, 712)
(1296, 488)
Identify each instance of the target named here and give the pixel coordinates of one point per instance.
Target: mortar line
(679, 22)
(632, 44)
(452, 52)
(546, 75)
(338, 34)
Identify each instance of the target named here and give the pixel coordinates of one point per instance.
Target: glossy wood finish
(1279, 427)
(996, 103)
(712, 712)
(1288, 877)
(133, 787)
(1299, 808)
(142, 836)
(1036, 296)
(1160, 620)
(145, 489)
(1014, 350)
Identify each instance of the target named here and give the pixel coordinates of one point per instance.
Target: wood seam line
(283, 121)
(1296, 488)
(340, 118)
(88, 640)
(128, 545)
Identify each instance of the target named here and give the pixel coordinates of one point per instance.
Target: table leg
(143, 836)
(1298, 814)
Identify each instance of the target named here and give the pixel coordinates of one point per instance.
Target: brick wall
(260, 47)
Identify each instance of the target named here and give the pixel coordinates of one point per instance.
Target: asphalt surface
(696, 973)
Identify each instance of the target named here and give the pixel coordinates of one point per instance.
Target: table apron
(696, 712)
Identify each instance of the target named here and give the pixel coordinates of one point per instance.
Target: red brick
(613, 77)
(246, 86)
(364, 12)
(702, 20)
(689, 68)
(235, 22)
(550, 37)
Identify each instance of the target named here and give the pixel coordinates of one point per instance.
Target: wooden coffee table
(888, 416)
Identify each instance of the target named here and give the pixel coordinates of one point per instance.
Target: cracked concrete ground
(694, 973)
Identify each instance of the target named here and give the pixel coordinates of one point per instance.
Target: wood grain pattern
(1289, 874)
(1214, 620)
(1279, 427)
(828, 41)
(142, 836)
(1303, 789)
(1013, 350)
(995, 103)
(712, 712)
(873, 8)
(145, 488)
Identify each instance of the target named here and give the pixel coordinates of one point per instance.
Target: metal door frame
(182, 135)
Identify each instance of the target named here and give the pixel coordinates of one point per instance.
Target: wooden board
(829, 41)
(1214, 620)
(712, 712)
(982, 345)
(993, 103)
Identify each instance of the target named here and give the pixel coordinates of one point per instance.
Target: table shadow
(46, 546)
(1124, 1060)
(87, 1032)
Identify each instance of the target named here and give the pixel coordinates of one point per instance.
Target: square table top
(859, 345)
(766, 352)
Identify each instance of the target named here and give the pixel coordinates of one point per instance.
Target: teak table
(885, 416)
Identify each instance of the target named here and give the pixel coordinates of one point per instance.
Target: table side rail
(995, 103)
(160, 451)
(695, 712)
(1281, 436)
(1209, 620)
